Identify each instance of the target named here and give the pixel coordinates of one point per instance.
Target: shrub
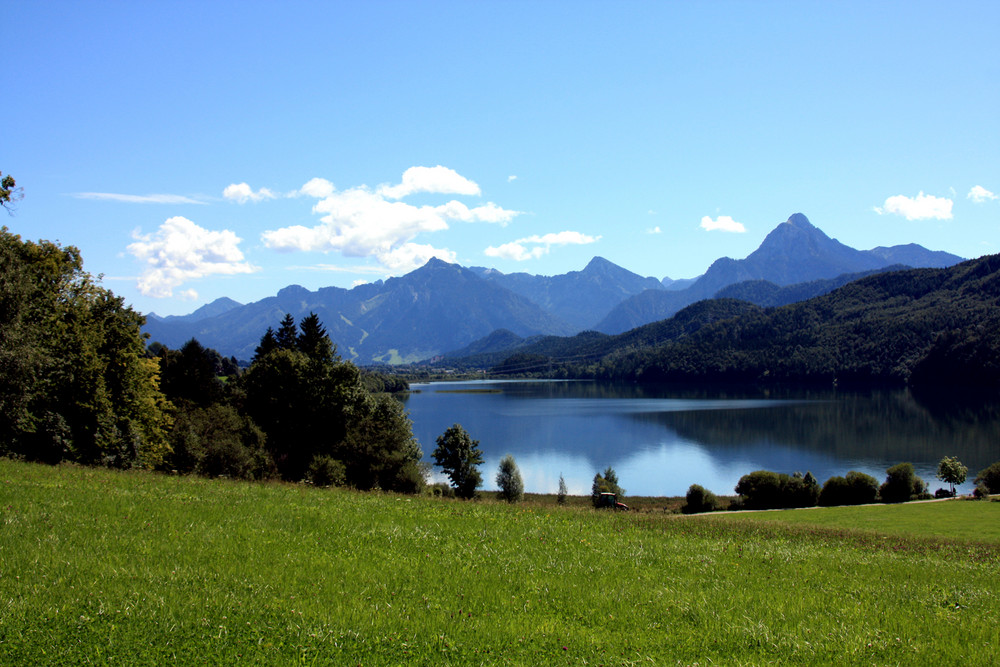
(990, 478)
(760, 489)
(218, 442)
(902, 484)
(763, 489)
(699, 499)
(440, 490)
(326, 471)
(799, 490)
(856, 488)
(981, 492)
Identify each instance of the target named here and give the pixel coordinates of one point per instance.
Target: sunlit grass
(99, 567)
(956, 519)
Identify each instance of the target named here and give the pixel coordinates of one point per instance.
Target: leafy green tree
(379, 450)
(75, 380)
(989, 478)
(801, 490)
(9, 192)
(326, 471)
(699, 499)
(606, 482)
(190, 375)
(901, 484)
(760, 489)
(563, 492)
(315, 409)
(855, 488)
(459, 456)
(217, 441)
(509, 480)
(302, 405)
(951, 470)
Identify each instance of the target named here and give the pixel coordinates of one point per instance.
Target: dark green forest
(78, 384)
(920, 327)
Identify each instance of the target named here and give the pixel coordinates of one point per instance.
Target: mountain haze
(580, 298)
(794, 252)
(435, 308)
(442, 307)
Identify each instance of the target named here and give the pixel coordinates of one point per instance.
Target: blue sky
(194, 150)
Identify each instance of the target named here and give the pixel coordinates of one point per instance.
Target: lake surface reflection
(661, 440)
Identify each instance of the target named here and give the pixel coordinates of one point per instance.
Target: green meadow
(104, 567)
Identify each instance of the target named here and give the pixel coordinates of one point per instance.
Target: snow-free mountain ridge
(441, 307)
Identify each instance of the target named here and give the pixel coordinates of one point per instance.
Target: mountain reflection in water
(660, 440)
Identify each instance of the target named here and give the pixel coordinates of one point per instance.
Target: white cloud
(241, 193)
(979, 194)
(533, 247)
(439, 180)
(410, 256)
(512, 178)
(723, 223)
(138, 199)
(361, 222)
(921, 207)
(317, 187)
(654, 230)
(180, 251)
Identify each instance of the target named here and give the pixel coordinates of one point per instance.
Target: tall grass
(104, 567)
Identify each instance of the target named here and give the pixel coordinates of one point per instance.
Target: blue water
(660, 441)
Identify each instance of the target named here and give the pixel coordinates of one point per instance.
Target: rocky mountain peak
(800, 220)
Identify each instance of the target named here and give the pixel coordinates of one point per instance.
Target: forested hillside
(921, 326)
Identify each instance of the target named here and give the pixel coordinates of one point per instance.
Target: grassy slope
(954, 520)
(97, 566)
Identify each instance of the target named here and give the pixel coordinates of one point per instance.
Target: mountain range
(441, 307)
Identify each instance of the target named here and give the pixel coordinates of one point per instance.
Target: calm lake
(661, 440)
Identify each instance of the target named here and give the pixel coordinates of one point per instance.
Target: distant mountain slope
(580, 298)
(916, 256)
(442, 307)
(794, 252)
(217, 307)
(437, 307)
(590, 346)
(766, 293)
(921, 326)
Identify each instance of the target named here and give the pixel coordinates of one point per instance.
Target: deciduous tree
(459, 456)
(606, 482)
(951, 470)
(75, 380)
(509, 480)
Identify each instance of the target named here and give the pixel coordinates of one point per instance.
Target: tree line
(765, 489)
(78, 384)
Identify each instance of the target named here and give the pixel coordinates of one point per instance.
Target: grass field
(101, 567)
